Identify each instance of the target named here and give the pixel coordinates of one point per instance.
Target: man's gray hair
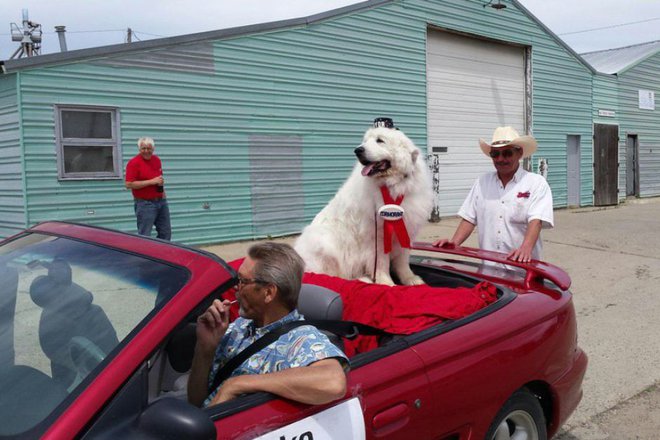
(146, 140)
(279, 264)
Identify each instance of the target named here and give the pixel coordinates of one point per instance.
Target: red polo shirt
(139, 169)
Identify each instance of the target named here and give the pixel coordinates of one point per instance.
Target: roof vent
(497, 5)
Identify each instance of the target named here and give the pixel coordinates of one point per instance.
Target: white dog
(345, 239)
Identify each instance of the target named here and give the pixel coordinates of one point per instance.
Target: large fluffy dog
(343, 238)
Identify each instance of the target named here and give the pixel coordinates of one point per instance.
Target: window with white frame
(88, 144)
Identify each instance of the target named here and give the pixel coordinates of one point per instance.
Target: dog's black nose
(359, 151)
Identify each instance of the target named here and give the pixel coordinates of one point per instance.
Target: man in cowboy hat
(510, 205)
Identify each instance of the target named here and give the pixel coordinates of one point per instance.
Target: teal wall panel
(12, 202)
(204, 164)
(321, 84)
(642, 122)
(561, 107)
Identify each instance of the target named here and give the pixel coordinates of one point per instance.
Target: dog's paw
(413, 281)
(384, 279)
(366, 279)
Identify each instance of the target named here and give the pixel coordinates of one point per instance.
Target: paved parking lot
(613, 257)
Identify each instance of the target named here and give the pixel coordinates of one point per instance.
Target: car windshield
(65, 305)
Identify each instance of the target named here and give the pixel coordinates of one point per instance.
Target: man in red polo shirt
(144, 177)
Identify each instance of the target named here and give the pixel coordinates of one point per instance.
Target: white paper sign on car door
(343, 421)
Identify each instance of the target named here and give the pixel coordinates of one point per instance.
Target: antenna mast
(29, 36)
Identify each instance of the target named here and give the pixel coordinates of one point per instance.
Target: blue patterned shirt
(299, 347)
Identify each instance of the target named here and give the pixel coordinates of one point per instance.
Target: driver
(269, 283)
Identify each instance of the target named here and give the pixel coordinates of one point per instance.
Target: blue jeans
(150, 213)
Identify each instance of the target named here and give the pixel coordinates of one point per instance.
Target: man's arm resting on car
(463, 231)
(315, 384)
(524, 252)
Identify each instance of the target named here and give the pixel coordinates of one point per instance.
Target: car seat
(319, 303)
(74, 333)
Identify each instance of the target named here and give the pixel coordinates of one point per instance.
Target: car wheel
(521, 418)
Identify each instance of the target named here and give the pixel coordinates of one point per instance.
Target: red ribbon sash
(393, 227)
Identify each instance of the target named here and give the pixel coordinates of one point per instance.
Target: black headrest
(316, 302)
(59, 271)
(57, 291)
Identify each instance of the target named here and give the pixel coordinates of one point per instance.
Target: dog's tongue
(367, 169)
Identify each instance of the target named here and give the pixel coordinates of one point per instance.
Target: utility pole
(129, 35)
(29, 36)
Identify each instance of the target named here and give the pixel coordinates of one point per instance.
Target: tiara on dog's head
(383, 122)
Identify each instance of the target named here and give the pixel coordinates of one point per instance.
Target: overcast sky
(91, 23)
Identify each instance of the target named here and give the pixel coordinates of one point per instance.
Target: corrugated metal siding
(322, 83)
(644, 123)
(561, 85)
(606, 97)
(562, 106)
(12, 208)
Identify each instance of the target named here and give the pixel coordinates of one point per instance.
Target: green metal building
(256, 125)
(627, 109)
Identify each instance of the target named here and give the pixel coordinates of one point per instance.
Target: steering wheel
(84, 356)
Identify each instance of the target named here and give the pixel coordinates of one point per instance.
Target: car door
(396, 397)
(389, 384)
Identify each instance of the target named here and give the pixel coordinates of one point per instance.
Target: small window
(87, 142)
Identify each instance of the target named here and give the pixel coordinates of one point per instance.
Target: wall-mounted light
(497, 5)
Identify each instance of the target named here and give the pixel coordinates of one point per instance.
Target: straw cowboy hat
(505, 136)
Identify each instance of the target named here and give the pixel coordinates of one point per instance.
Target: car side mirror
(176, 419)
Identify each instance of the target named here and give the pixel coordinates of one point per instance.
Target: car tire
(521, 417)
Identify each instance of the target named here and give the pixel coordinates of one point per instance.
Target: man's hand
(228, 390)
(463, 231)
(139, 184)
(212, 325)
(158, 180)
(522, 255)
(445, 243)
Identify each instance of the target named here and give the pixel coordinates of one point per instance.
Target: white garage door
(473, 87)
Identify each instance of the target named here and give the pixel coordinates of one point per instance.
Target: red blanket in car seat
(399, 309)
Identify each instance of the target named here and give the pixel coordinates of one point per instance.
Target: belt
(148, 200)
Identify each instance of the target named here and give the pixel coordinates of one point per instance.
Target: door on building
(473, 86)
(632, 165)
(606, 164)
(573, 169)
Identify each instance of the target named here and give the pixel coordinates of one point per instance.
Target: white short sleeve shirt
(502, 214)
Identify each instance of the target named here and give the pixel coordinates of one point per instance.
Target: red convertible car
(97, 332)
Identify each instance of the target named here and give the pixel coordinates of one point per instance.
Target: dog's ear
(414, 155)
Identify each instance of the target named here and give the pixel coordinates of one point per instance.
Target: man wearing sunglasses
(510, 206)
(270, 278)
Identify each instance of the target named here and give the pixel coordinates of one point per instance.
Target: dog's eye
(380, 141)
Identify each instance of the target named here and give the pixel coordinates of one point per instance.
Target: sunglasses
(245, 281)
(505, 153)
